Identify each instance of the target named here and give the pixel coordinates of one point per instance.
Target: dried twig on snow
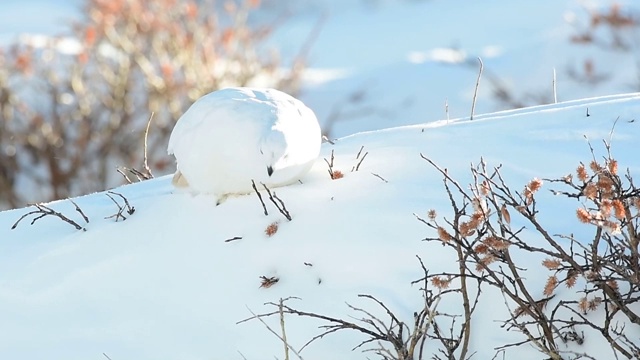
(121, 209)
(334, 174)
(264, 207)
(475, 92)
(282, 338)
(357, 167)
(44, 210)
(141, 175)
(279, 204)
(86, 219)
(268, 281)
(379, 177)
(233, 239)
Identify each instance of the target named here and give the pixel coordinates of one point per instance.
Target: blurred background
(80, 79)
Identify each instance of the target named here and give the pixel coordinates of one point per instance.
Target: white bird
(232, 136)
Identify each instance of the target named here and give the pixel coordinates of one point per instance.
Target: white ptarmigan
(232, 136)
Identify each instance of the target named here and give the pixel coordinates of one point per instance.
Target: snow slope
(164, 284)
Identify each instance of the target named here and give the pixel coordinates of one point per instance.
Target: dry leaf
(582, 173)
(268, 282)
(505, 214)
(551, 284)
(271, 229)
(551, 264)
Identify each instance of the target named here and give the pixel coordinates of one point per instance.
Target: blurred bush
(73, 109)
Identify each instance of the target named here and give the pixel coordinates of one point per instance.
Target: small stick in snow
(446, 108)
(260, 316)
(105, 355)
(264, 207)
(555, 93)
(130, 209)
(379, 177)
(86, 219)
(147, 174)
(279, 204)
(333, 174)
(233, 239)
(357, 167)
(138, 174)
(44, 210)
(361, 160)
(121, 209)
(146, 135)
(475, 92)
(284, 333)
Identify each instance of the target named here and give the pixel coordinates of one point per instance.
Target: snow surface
(164, 284)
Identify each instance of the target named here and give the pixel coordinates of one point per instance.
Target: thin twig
(379, 177)
(146, 135)
(330, 164)
(284, 334)
(446, 108)
(475, 92)
(357, 167)
(86, 219)
(264, 207)
(121, 172)
(130, 209)
(118, 215)
(44, 210)
(555, 93)
(279, 204)
(233, 239)
(259, 317)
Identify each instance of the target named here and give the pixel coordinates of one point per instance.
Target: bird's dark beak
(269, 170)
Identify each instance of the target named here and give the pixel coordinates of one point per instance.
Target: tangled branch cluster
(606, 263)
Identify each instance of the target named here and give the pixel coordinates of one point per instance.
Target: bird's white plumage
(232, 136)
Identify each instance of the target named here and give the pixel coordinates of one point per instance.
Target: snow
(385, 77)
(164, 284)
(231, 137)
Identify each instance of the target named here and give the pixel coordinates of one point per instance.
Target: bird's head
(273, 151)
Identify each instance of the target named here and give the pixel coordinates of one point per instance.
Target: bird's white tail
(179, 181)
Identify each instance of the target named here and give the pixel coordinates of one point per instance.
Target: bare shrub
(429, 334)
(70, 115)
(606, 262)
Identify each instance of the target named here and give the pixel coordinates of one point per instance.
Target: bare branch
(42, 211)
(264, 207)
(284, 341)
(279, 204)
